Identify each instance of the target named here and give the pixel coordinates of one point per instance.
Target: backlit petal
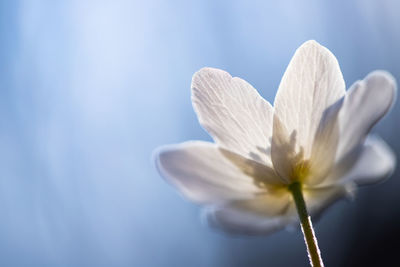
(365, 103)
(261, 215)
(233, 113)
(312, 83)
(376, 162)
(325, 144)
(204, 174)
(262, 174)
(284, 154)
(319, 199)
(257, 218)
(369, 163)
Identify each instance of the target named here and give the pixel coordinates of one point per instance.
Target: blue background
(88, 89)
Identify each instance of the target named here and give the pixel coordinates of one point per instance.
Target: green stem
(306, 225)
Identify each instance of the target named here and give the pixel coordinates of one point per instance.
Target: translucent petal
(234, 114)
(325, 144)
(365, 103)
(206, 174)
(265, 216)
(261, 215)
(319, 199)
(283, 151)
(256, 216)
(374, 162)
(312, 83)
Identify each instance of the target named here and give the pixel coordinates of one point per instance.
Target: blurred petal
(370, 163)
(377, 162)
(203, 174)
(262, 215)
(234, 114)
(365, 103)
(319, 199)
(256, 217)
(311, 84)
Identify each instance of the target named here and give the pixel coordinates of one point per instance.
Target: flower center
(301, 171)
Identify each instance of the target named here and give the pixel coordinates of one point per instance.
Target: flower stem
(306, 226)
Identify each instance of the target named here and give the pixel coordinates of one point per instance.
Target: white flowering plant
(272, 166)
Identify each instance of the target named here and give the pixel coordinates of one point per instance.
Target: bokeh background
(88, 89)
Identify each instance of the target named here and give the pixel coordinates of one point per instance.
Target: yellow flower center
(300, 171)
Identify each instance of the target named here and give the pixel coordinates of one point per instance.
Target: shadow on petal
(262, 175)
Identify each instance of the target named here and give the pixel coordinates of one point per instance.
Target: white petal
(261, 215)
(234, 114)
(256, 216)
(319, 199)
(376, 163)
(365, 103)
(283, 151)
(311, 84)
(322, 158)
(369, 163)
(205, 174)
(262, 174)
(325, 144)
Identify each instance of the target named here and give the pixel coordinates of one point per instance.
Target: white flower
(316, 133)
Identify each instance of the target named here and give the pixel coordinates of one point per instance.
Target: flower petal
(325, 144)
(204, 174)
(369, 163)
(262, 215)
(263, 175)
(376, 163)
(319, 199)
(283, 151)
(233, 113)
(311, 84)
(265, 215)
(365, 103)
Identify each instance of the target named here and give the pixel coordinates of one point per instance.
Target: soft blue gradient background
(88, 89)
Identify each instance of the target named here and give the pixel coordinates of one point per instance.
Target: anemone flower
(308, 151)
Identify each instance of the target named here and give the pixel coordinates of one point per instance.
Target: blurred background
(88, 89)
